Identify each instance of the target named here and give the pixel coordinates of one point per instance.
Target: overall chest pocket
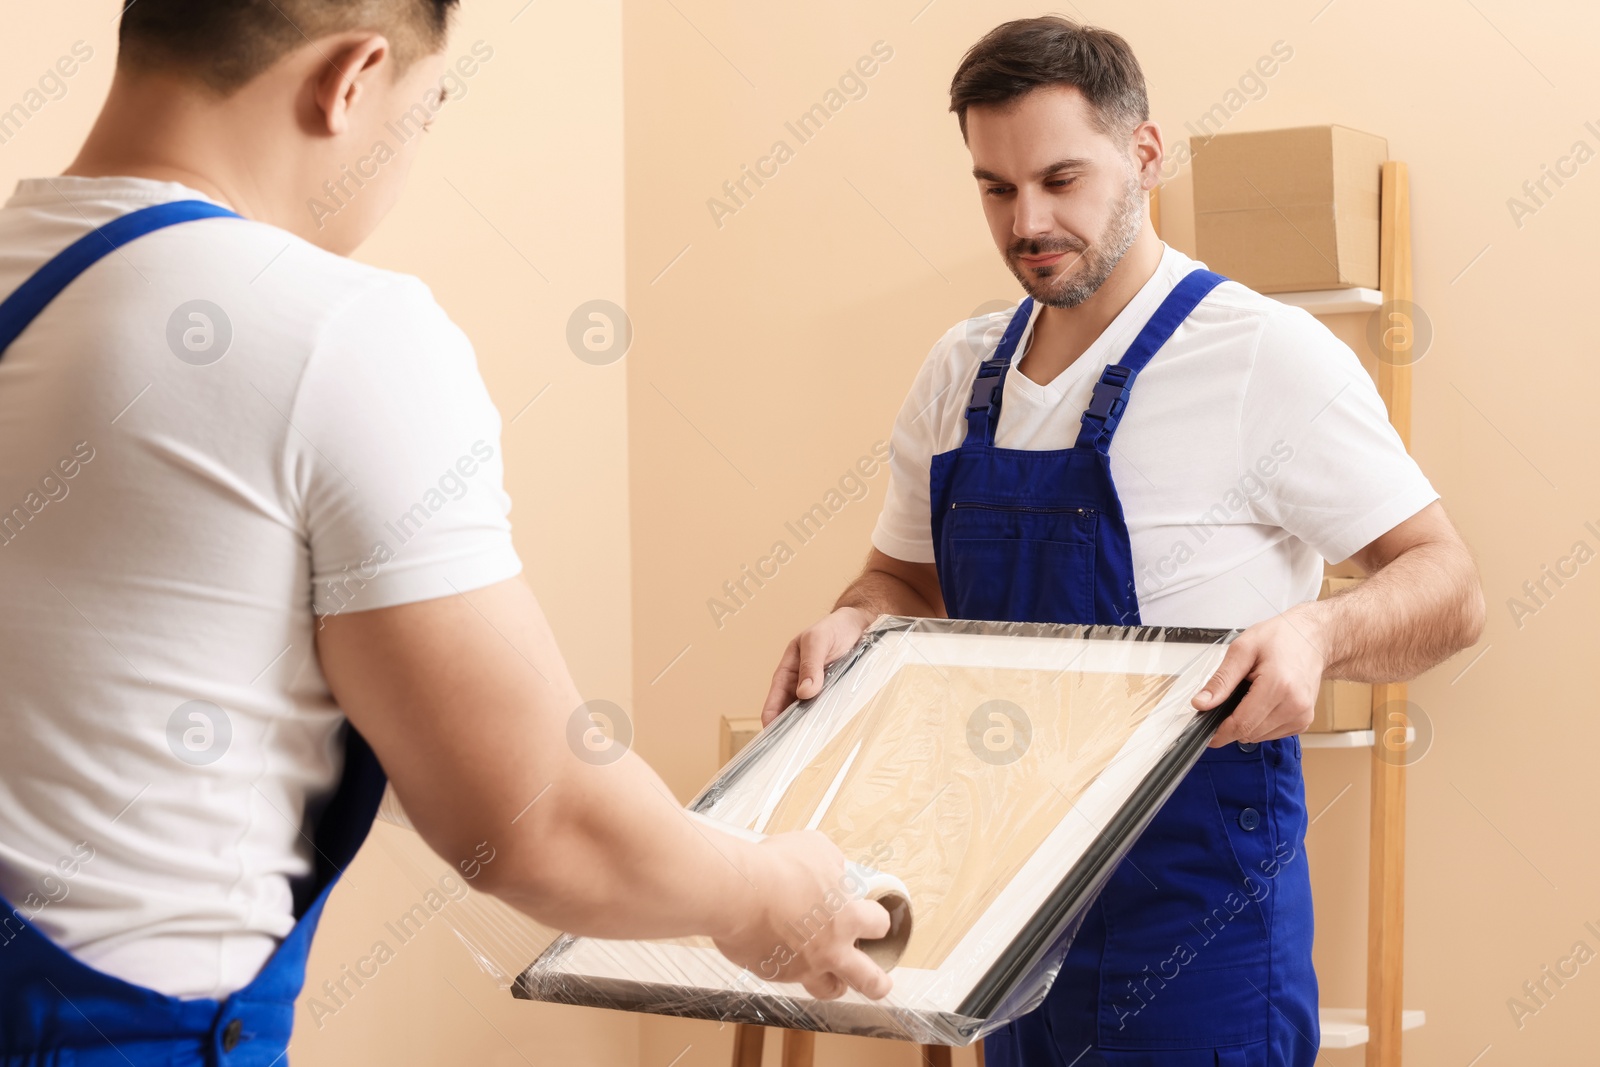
(1019, 563)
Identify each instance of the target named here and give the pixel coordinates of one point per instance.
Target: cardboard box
(1289, 210)
(1341, 705)
(736, 733)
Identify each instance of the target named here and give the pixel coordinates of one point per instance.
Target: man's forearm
(610, 853)
(878, 592)
(1422, 608)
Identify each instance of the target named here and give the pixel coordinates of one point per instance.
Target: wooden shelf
(1333, 301)
(1347, 1027)
(1347, 738)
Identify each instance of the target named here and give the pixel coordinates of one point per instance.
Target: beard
(1095, 261)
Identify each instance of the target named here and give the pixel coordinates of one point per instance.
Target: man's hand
(1421, 604)
(887, 586)
(799, 673)
(1283, 660)
(805, 870)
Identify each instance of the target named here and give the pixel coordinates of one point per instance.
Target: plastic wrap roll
(865, 883)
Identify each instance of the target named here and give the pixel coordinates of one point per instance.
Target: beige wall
(771, 352)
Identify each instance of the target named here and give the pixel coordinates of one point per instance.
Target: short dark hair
(1015, 58)
(226, 43)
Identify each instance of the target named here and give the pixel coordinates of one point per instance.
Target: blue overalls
(58, 1012)
(1198, 952)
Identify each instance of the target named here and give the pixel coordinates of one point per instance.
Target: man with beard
(1031, 481)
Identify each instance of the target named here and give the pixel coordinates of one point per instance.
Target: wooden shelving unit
(1347, 738)
(1379, 1026)
(1333, 301)
(1347, 1027)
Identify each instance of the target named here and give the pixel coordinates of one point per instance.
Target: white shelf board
(1333, 301)
(1347, 1027)
(1347, 738)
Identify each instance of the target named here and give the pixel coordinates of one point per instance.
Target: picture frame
(1000, 769)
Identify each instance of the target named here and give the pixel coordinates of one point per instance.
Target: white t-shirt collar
(1122, 328)
(71, 188)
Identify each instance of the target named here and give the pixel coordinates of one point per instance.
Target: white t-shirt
(170, 521)
(1254, 446)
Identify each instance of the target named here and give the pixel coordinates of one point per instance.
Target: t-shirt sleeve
(395, 451)
(905, 525)
(1315, 430)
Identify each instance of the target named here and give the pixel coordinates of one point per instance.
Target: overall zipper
(1022, 507)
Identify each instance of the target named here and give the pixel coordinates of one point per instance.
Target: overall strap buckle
(983, 407)
(991, 376)
(1110, 394)
(1106, 405)
(1110, 399)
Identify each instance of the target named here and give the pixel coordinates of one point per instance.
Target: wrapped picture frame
(999, 770)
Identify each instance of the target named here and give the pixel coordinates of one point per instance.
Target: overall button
(1249, 818)
(231, 1035)
(1249, 746)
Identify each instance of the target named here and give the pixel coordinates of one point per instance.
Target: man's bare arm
(887, 586)
(1421, 604)
(469, 706)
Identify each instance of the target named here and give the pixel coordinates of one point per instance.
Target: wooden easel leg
(799, 1048)
(747, 1043)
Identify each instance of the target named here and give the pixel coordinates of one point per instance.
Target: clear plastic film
(996, 773)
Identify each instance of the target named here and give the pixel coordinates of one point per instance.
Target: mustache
(1047, 246)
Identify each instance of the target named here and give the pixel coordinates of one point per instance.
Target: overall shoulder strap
(983, 409)
(1111, 392)
(34, 295)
